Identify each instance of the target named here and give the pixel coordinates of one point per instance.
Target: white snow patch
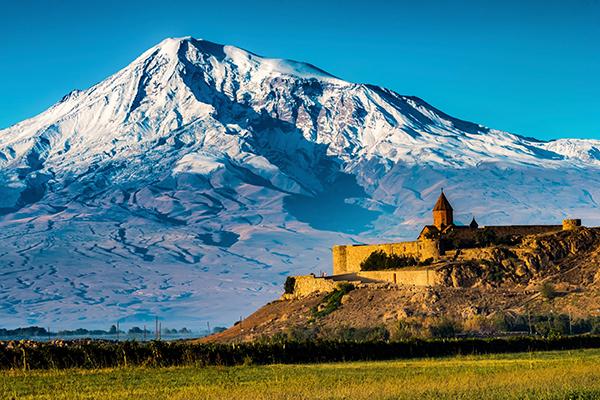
(201, 164)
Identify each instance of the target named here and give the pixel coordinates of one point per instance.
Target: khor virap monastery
(437, 244)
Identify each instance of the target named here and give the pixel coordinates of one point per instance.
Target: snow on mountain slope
(191, 182)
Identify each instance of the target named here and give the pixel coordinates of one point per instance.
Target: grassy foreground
(546, 375)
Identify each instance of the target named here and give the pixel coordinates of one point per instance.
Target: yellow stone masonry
(348, 258)
(416, 277)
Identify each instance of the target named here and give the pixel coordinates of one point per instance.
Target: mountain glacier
(191, 182)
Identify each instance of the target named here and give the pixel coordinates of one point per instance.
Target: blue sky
(529, 67)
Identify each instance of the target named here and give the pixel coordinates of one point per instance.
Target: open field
(546, 375)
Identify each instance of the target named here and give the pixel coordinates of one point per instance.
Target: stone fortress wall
(519, 230)
(309, 284)
(500, 232)
(424, 276)
(347, 259)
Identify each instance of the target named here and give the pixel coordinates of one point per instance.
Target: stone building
(441, 236)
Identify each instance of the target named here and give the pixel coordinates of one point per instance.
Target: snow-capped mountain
(190, 183)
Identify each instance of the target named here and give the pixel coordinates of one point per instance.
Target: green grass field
(548, 375)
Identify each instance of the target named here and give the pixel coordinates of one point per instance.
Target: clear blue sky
(529, 67)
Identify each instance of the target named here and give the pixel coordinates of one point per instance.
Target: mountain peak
(171, 47)
(184, 80)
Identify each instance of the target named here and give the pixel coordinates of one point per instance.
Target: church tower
(442, 213)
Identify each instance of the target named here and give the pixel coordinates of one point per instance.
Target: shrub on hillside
(479, 324)
(408, 328)
(443, 328)
(548, 291)
(301, 334)
(362, 334)
(332, 301)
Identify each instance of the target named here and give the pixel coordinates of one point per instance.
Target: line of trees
(37, 331)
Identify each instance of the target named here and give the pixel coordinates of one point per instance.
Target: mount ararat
(191, 182)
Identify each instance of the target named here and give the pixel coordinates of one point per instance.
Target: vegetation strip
(27, 355)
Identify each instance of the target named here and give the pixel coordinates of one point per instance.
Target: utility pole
(144, 332)
(208, 327)
(156, 328)
(159, 330)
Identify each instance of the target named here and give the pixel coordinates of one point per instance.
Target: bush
(478, 324)
(332, 301)
(380, 260)
(345, 287)
(301, 334)
(595, 326)
(289, 285)
(443, 328)
(362, 334)
(408, 328)
(548, 291)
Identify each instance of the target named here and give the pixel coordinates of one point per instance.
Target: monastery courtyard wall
(308, 284)
(348, 258)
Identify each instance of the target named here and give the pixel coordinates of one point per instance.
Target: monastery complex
(437, 244)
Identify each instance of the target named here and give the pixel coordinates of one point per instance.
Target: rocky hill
(503, 288)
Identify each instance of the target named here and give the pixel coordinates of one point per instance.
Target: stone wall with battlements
(521, 230)
(464, 236)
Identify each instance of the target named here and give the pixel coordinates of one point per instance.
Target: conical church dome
(442, 203)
